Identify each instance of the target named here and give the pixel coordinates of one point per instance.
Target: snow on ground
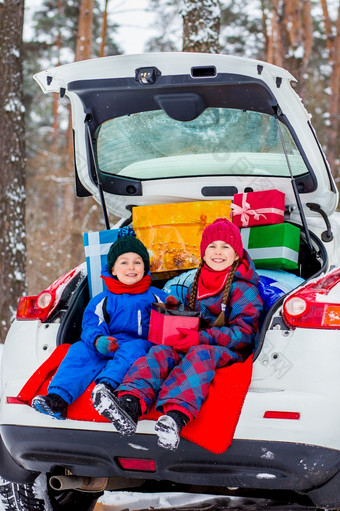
(119, 501)
(129, 501)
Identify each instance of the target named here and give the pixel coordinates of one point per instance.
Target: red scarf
(118, 288)
(211, 282)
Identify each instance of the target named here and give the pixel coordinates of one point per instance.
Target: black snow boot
(123, 411)
(169, 427)
(52, 404)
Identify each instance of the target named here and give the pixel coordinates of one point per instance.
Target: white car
(168, 128)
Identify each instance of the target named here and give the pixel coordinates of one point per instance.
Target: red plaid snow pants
(176, 381)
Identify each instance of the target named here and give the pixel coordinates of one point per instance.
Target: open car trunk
(310, 264)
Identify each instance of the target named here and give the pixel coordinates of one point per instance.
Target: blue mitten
(106, 344)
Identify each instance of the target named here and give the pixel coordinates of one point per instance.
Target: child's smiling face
(219, 255)
(128, 268)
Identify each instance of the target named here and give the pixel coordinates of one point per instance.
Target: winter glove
(188, 339)
(106, 345)
(171, 300)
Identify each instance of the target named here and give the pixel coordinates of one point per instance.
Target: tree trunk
(291, 37)
(55, 94)
(201, 26)
(12, 163)
(83, 51)
(333, 46)
(79, 206)
(85, 29)
(103, 31)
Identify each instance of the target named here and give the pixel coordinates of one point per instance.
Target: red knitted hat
(222, 229)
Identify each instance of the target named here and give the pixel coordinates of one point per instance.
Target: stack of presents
(172, 233)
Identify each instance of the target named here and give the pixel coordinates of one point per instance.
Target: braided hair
(220, 320)
(193, 294)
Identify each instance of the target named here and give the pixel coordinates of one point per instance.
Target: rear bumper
(246, 464)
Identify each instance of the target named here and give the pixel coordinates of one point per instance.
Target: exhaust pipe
(89, 484)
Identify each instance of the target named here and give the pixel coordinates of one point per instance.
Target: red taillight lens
(274, 414)
(36, 307)
(143, 465)
(14, 401)
(312, 307)
(42, 305)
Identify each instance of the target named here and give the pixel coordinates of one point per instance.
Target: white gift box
(97, 246)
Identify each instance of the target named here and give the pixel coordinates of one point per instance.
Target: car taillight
(42, 305)
(143, 464)
(274, 414)
(11, 400)
(36, 307)
(312, 307)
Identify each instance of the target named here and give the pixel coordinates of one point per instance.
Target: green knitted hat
(127, 242)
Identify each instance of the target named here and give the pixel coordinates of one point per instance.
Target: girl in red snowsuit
(177, 376)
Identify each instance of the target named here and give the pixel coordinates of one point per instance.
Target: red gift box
(166, 319)
(258, 208)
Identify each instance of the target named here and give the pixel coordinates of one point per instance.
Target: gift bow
(246, 212)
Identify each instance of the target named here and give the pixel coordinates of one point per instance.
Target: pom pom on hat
(224, 230)
(127, 242)
(126, 231)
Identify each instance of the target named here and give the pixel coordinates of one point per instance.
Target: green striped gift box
(273, 246)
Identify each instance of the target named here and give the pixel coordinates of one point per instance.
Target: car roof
(181, 86)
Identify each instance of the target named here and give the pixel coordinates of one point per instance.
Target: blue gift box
(97, 245)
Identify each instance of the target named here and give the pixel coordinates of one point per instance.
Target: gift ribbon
(246, 212)
(272, 253)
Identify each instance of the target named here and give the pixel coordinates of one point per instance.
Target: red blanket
(214, 427)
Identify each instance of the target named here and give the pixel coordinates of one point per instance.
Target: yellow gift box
(172, 232)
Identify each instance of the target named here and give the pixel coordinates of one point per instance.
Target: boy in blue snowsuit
(114, 329)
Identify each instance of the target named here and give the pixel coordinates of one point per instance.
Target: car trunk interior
(311, 263)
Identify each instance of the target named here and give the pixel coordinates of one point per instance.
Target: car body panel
(97, 457)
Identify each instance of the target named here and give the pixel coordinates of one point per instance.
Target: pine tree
(12, 158)
(332, 32)
(54, 227)
(169, 24)
(289, 36)
(299, 36)
(241, 29)
(201, 25)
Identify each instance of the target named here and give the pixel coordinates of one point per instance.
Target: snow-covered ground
(119, 501)
(137, 501)
(149, 501)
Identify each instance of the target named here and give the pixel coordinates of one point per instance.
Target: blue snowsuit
(123, 316)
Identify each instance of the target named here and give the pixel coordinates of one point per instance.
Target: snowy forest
(41, 221)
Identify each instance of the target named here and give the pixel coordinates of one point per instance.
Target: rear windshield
(221, 141)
